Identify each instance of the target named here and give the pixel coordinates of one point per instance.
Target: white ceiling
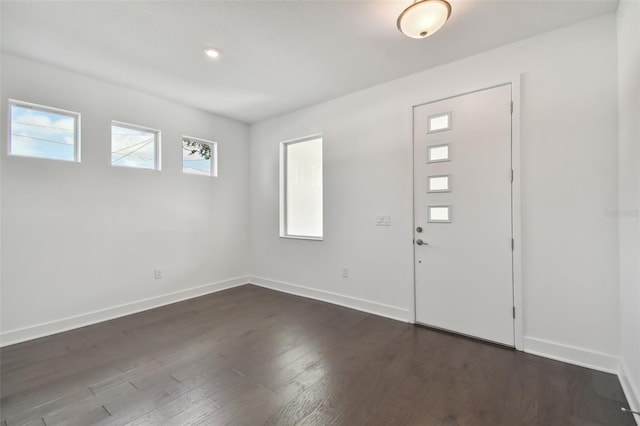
(277, 56)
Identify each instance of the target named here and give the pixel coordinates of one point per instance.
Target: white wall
(569, 183)
(628, 213)
(84, 237)
(81, 239)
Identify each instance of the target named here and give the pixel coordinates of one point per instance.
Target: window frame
(213, 160)
(284, 185)
(157, 154)
(38, 107)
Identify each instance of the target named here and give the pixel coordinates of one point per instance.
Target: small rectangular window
(301, 188)
(438, 183)
(43, 132)
(199, 156)
(439, 123)
(135, 146)
(439, 214)
(438, 153)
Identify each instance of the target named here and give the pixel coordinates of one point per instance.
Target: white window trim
(213, 160)
(157, 157)
(76, 130)
(283, 188)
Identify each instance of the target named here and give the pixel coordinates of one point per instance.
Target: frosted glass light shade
(423, 18)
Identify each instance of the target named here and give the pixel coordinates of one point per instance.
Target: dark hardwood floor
(251, 356)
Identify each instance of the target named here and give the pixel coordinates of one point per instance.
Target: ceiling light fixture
(211, 52)
(424, 18)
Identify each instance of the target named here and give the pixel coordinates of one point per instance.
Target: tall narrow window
(43, 132)
(135, 146)
(199, 156)
(301, 188)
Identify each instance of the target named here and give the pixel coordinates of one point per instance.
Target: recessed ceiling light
(211, 52)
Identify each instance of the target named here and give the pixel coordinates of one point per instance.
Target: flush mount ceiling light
(211, 52)
(423, 18)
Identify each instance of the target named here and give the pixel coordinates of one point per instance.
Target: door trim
(516, 197)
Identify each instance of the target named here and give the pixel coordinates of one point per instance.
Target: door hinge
(511, 175)
(513, 244)
(511, 107)
(514, 312)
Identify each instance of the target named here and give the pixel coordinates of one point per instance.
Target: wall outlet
(345, 272)
(157, 274)
(383, 220)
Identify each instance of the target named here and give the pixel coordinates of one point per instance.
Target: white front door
(462, 214)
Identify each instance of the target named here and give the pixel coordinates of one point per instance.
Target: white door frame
(516, 198)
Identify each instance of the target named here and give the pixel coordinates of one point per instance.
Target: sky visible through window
(197, 156)
(132, 147)
(42, 134)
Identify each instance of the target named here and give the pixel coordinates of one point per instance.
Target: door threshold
(465, 336)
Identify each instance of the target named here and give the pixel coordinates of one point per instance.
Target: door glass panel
(438, 153)
(439, 123)
(438, 184)
(439, 214)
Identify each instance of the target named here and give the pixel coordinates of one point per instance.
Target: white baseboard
(368, 306)
(631, 389)
(572, 355)
(52, 327)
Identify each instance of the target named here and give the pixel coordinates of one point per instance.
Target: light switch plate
(383, 220)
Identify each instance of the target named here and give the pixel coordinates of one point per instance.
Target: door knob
(420, 242)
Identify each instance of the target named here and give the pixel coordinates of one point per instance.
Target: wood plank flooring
(252, 356)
